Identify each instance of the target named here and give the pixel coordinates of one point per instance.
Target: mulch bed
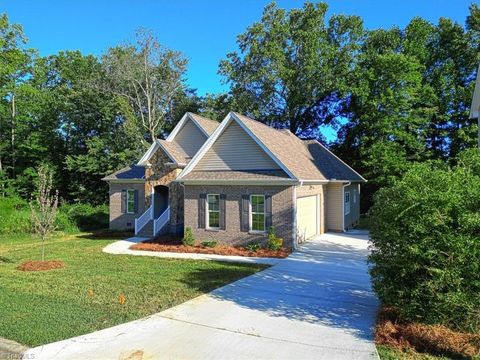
(168, 243)
(40, 265)
(434, 339)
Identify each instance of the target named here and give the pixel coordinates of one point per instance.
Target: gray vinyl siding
(190, 138)
(352, 218)
(236, 150)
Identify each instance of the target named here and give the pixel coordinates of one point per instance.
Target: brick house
(232, 181)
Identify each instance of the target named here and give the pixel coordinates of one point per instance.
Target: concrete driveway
(316, 304)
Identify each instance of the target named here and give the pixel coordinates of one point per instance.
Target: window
(354, 196)
(347, 203)
(257, 213)
(130, 201)
(213, 211)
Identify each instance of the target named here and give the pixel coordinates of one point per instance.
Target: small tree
(44, 206)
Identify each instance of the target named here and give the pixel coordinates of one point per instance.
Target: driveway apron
(316, 304)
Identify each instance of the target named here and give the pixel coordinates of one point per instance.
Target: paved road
(316, 304)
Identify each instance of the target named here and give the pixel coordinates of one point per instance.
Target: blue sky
(205, 31)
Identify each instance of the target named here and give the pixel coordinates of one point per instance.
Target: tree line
(396, 96)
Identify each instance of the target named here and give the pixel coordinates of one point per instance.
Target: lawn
(41, 307)
(388, 353)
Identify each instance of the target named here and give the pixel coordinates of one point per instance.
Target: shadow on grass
(107, 234)
(4, 259)
(208, 279)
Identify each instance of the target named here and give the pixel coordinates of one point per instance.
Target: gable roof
(174, 150)
(207, 126)
(301, 160)
(132, 172)
(474, 109)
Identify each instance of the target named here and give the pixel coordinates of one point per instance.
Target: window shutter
(223, 211)
(268, 211)
(135, 197)
(245, 220)
(202, 199)
(124, 202)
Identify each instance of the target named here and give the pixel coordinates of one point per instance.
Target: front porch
(164, 211)
(157, 216)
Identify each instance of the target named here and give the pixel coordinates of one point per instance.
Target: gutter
(245, 182)
(123, 181)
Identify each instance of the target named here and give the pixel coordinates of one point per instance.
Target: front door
(160, 200)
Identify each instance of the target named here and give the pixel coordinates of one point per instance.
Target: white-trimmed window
(130, 201)
(213, 211)
(257, 213)
(347, 203)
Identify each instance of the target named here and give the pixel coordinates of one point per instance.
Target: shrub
(86, 217)
(274, 243)
(425, 231)
(14, 216)
(209, 243)
(253, 246)
(188, 239)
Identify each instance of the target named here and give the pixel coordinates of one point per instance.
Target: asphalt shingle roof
(237, 175)
(208, 125)
(306, 160)
(133, 172)
(175, 151)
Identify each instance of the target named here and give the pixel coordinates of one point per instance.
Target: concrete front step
(147, 230)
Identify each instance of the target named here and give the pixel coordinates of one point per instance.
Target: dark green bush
(14, 215)
(253, 246)
(209, 243)
(188, 239)
(426, 244)
(86, 217)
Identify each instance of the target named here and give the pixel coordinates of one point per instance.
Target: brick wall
(156, 174)
(119, 221)
(282, 213)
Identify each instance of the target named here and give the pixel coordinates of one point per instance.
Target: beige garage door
(307, 217)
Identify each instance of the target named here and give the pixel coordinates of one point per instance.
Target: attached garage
(307, 217)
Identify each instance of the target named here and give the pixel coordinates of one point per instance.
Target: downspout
(343, 204)
(294, 228)
(478, 126)
(183, 186)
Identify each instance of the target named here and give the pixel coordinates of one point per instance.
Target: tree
(44, 207)
(410, 100)
(14, 67)
(148, 76)
(295, 67)
(389, 108)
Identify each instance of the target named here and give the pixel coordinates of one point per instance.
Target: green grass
(41, 307)
(388, 353)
